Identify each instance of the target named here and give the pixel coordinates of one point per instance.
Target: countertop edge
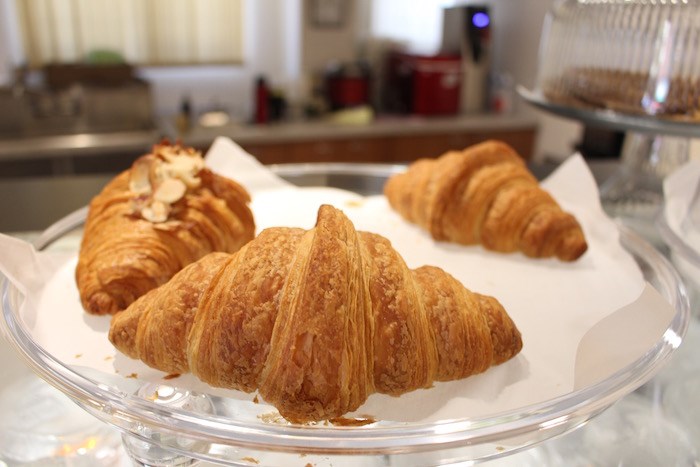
(85, 144)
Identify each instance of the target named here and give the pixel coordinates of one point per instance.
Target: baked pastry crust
(626, 92)
(316, 321)
(485, 194)
(123, 254)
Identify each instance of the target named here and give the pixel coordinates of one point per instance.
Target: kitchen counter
(385, 139)
(57, 146)
(328, 130)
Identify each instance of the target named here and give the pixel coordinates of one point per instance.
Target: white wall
(5, 61)
(518, 34)
(10, 50)
(416, 23)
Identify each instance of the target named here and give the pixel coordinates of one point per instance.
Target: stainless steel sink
(76, 109)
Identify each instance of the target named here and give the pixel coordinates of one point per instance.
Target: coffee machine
(467, 32)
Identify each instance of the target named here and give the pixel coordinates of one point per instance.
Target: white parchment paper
(681, 208)
(559, 307)
(682, 216)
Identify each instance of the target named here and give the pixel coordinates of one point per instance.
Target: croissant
(485, 194)
(316, 320)
(153, 219)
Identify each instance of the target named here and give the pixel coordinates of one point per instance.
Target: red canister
(347, 86)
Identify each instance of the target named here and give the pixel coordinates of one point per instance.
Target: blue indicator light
(480, 20)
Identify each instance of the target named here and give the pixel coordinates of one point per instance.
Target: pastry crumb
(256, 400)
(354, 203)
(78, 355)
(353, 421)
(274, 418)
(132, 375)
(109, 357)
(251, 460)
(172, 376)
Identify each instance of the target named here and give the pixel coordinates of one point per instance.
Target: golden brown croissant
(485, 194)
(316, 321)
(150, 221)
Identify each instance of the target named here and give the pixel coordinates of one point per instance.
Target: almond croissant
(485, 194)
(316, 321)
(150, 221)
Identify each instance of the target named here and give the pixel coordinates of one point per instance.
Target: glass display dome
(630, 56)
(633, 66)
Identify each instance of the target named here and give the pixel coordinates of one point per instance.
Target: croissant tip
(327, 208)
(327, 212)
(572, 249)
(101, 303)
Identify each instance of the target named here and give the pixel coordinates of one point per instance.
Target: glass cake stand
(165, 425)
(653, 148)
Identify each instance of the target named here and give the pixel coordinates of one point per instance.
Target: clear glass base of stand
(632, 432)
(634, 194)
(42, 427)
(144, 446)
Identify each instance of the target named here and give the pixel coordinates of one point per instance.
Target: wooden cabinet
(374, 149)
(409, 148)
(385, 149)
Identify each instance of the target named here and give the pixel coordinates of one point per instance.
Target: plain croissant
(485, 194)
(150, 221)
(316, 320)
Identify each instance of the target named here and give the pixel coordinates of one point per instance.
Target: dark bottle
(262, 94)
(184, 117)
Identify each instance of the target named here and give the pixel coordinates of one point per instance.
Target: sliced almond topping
(168, 226)
(170, 190)
(161, 210)
(183, 163)
(138, 181)
(157, 212)
(168, 152)
(157, 174)
(192, 181)
(147, 213)
(162, 178)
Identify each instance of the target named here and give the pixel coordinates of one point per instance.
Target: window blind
(143, 32)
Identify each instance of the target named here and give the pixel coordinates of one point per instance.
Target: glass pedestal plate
(166, 425)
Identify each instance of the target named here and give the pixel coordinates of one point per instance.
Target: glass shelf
(611, 119)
